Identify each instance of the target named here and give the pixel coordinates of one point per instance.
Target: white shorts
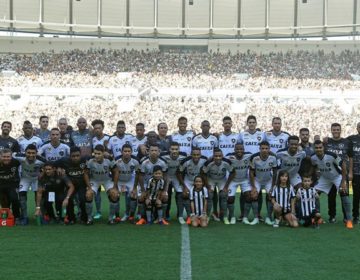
(244, 186)
(220, 184)
(95, 185)
(263, 185)
(325, 184)
(175, 183)
(129, 186)
(295, 180)
(27, 183)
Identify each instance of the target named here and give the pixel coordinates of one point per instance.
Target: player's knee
(113, 195)
(158, 203)
(89, 196)
(223, 195)
(248, 197)
(163, 198)
(231, 200)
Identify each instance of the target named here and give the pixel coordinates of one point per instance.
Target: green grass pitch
(126, 251)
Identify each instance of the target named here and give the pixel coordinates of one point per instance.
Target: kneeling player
(199, 200)
(96, 174)
(283, 200)
(155, 196)
(309, 201)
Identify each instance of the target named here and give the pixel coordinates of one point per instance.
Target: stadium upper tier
(183, 18)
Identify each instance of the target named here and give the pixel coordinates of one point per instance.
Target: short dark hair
(318, 142)
(43, 117)
(304, 129)
(156, 168)
(140, 124)
(6, 122)
(195, 149)
(126, 146)
(275, 118)
(293, 137)
(97, 121)
(158, 126)
(55, 129)
(226, 118)
(264, 143)
(182, 119)
(99, 148)
(120, 122)
(174, 144)
(30, 147)
(251, 117)
(335, 125)
(75, 149)
(216, 150)
(27, 123)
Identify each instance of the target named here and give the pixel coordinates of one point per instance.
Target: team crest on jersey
(298, 159)
(341, 145)
(188, 138)
(10, 144)
(233, 140)
(328, 164)
(212, 142)
(13, 169)
(246, 162)
(34, 143)
(223, 170)
(106, 168)
(61, 153)
(82, 165)
(270, 164)
(281, 141)
(258, 138)
(49, 149)
(67, 135)
(132, 168)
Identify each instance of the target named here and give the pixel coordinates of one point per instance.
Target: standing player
(43, 132)
(199, 199)
(129, 168)
(332, 171)
(30, 171)
(263, 168)
(139, 139)
(205, 141)
(218, 174)
(82, 138)
(227, 138)
(65, 132)
(305, 144)
(290, 160)
(53, 188)
(146, 171)
(54, 150)
(28, 137)
(173, 159)
(341, 147)
(183, 137)
(6, 141)
(100, 138)
(241, 162)
(354, 171)
(119, 139)
(276, 137)
(164, 139)
(99, 172)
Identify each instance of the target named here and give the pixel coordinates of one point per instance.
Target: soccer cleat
(356, 221)
(124, 218)
(233, 221)
(66, 220)
(131, 219)
(24, 221)
(332, 220)
(276, 223)
(89, 222)
(117, 220)
(246, 221)
(111, 222)
(188, 220)
(97, 216)
(142, 221)
(164, 222)
(215, 217)
(240, 219)
(226, 221)
(261, 219)
(254, 222)
(268, 221)
(349, 224)
(181, 220)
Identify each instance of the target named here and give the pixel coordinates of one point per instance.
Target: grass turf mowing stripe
(185, 262)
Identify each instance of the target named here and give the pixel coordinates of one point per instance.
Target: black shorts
(308, 219)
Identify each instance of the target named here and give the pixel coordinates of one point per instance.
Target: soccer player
(164, 139)
(74, 167)
(53, 188)
(241, 162)
(65, 132)
(290, 160)
(252, 137)
(100, 138)
(82, 137)
(283, 200)
(354, 171)
(183, 136)
(129, 168)
(205, 141)
(155, 196)
(263, 168)
(9, 182)
(227, 139)
(119, 139)
(199, 199)
(341, 147)
(218, 174)
(6, 141)
(97, 173)
(332, 171)
(173, 159)
(30, 171)
(54, 150)
(43, 132)
(277, 138)
(143, 149)
(146, 171)
(139, 139)
(28, 137)
(304, 141)
(309, 201)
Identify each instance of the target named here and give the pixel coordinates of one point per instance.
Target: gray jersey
(146, 167)
(52, 153)
(136, 142)
(184, 140)
(290, 163)
(263, 167)
(24, 142)
(206, 144)
(127, 170)
(29, 170)
(219, 171)
(116, 143)
(96, 141)
(251, 141)
(329, 165)
(100, 172)
(241, 166)
(83, 140)
(173, 164)
(277, 142)
(227, 142)
(190, 169)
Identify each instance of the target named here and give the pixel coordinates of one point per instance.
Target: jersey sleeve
(206, 195)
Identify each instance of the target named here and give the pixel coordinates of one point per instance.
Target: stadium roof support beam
(11, 14)
(325, 13)
(239, 2)
(127, 17)
(183, 18)
(211, 18)
(71, 17)
(296, 13)
(354, 17)
(99, 17)
(156, 17)
(267, 11)
(41, 18)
